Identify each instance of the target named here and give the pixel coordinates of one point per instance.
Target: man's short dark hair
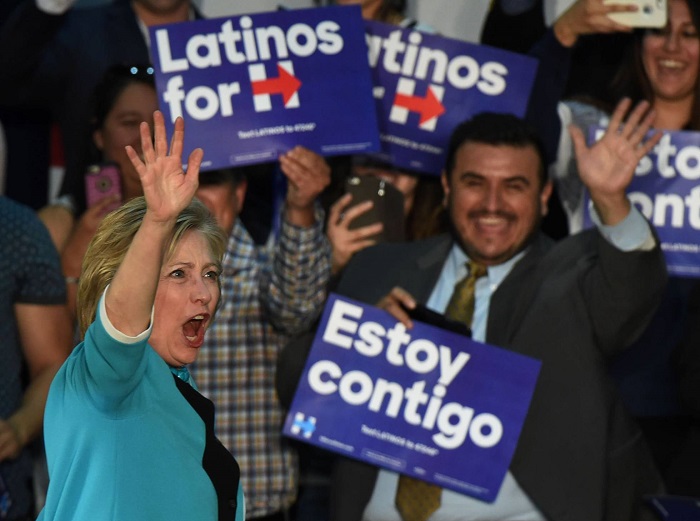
(223, 176)
(495, 129)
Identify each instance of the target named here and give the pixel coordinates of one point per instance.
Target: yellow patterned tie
(461, 304)
(416, 500)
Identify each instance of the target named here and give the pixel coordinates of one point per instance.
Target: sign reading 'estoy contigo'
(665, 190)
(426, 402)
(254, 86)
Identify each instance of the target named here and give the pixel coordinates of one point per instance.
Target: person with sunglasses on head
(124, 97)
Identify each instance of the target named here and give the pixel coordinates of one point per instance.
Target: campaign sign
(423, 402)
(665, 189)
(425, 85)
(252, 87)
(675, 508)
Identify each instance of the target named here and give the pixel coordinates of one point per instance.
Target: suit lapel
(420, 276)
(511, 301)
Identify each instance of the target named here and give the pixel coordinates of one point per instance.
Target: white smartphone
(650, 13)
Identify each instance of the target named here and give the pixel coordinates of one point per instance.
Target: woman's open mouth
(194, 329)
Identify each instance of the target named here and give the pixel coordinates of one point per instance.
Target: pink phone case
(103, 181)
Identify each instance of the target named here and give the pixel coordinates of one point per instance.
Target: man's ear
(545, 194)
(240, 193)
(445, 188)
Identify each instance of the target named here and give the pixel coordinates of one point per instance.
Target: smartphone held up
(387, 207)
(102, 181)
(649, 13)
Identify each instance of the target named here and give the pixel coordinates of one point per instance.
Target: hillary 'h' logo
(429, 106)
(284, 84)
(303, 425)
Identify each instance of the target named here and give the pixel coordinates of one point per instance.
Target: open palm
(607, 167)
(168, 189)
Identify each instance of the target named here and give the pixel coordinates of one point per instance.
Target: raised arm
(554, 53)
(607, 167)
(308, 175)
(294, 289)
(346, 242)
(589, 17)
(167, 190)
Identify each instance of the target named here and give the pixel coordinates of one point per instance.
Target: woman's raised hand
(168, 189)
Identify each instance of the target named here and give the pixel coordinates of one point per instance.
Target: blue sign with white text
(252, 87)
(425, 85)
(665, 190)
(424, 402)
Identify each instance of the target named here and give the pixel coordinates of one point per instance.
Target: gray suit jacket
(570, 305)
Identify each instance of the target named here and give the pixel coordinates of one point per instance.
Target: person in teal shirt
(127, 434)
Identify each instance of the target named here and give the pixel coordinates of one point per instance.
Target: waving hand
(168, 189)
(607, 167)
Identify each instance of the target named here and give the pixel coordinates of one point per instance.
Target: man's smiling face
(495, 199)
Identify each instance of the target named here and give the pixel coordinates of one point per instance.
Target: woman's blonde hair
(113, 237)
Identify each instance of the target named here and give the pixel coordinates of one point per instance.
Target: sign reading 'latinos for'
(254, 86)
(426, 402)
(425, 85)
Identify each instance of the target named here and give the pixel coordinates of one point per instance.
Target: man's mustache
(477, 214)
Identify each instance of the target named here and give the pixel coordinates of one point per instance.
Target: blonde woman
(127, 434)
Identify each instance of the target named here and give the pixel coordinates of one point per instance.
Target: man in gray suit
(569, 304)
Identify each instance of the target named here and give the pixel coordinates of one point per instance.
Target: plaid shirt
(264, 300)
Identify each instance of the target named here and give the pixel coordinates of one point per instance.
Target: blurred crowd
(616, 414)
